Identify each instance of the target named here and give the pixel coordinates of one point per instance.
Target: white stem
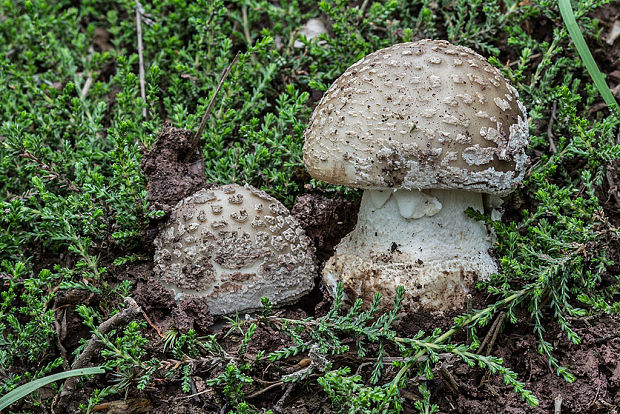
(437, 257)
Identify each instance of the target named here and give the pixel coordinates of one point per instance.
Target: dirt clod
(326, 221)
(175, 169)
(192, 313)
(165, 312)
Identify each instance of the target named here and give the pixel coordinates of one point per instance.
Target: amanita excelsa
(232, 245)
(425, 128)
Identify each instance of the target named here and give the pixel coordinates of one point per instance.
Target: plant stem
(435, 344)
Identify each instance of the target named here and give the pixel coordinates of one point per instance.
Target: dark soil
(325, 220)
(594, 362)
(175, 168)
(163, 310)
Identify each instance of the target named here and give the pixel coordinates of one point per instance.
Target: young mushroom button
(425, 128)
(233, 245)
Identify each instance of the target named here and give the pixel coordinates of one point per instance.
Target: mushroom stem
(436, 257)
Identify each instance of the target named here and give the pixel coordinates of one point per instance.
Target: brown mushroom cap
(419, 115)
(233, 245)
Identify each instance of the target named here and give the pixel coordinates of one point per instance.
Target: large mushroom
(425, 128)
(232, 245)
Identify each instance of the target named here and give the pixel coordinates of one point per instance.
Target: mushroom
(233, 245)
(425, 128)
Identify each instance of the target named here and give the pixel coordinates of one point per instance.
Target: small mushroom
(217, 245)
(425, 128)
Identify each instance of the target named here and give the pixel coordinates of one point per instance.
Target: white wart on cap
(233, 245)
(419, 115)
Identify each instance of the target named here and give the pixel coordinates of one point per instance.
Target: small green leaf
(580, 44)
(32, 386)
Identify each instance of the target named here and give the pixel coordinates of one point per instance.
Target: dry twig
(554, 110)
(264, 390)
(491, 336)
(613, 186)
(148, 320)
(89, 80)
(279, 406)
(94, 345)
(489, 341)
(448, 380)
(246, 29)
(140, 55)
(208, 111)
(61, 333)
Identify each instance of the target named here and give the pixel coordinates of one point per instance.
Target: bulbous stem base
(437, 257)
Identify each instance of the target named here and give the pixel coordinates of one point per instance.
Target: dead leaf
(101, 39)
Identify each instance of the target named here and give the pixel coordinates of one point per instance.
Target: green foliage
(348, 394)
(233, 379)
(123, 352)
(73, 198)
(419, 354)
(464, 27)
(560, 251)
(582, 47)
(26, 324)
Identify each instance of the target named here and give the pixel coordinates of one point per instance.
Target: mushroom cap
(233, 245)
(419, 115)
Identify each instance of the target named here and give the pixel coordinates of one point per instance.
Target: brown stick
(613, 187)
(552, 146)
(93, 346)
(223, 77)
(448, 380)
(61, 332)
(140, 56)
(492, 334)
(246, 29)
(148, 320)
(89, 80)
(264, 390)
(279, 406)
(498, 327)
(489, 341)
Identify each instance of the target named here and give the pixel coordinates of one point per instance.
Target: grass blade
(32, 386)
(575, 33)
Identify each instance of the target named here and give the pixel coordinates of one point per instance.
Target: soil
(594, 363)
(174, 167)
(325, 220)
